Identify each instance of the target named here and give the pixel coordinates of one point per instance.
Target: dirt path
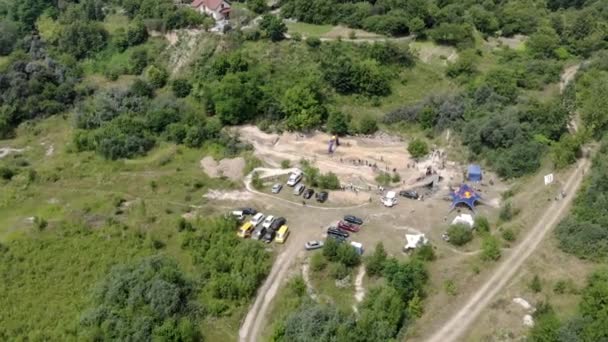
(458, 325)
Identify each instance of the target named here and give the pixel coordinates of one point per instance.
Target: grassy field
(98, 214)
(308, 30)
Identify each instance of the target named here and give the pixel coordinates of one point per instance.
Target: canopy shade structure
(474, 173)
(465, 194)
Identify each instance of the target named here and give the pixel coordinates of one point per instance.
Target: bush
(482, 224)
(535, 284)
(318, 262)
(6, 173)
(157, 76)
(374, 264)
(256, 181)
(285, 164)
(368, 125)
(425, 253)
(459, 234)
(507, 212)
(490, 248)
(181, 87)
(418, 148)
(313, 42)
(508, 234)
(338, 270)
(383, 178)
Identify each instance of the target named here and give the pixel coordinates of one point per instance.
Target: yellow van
(245, 230)
(282, 234)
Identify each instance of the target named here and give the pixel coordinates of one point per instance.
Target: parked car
(238, 214)
(258, 233)
(268, 221)
(322, 196)
(294, 178)
(299, 189)
(277, 188)
(314, 244)
(409, 194)
(308, 193)
(353, 219)
(269, 236)
(282, 234)
(245, 230)
(337, 232)
(390, 199)
(278, 222)
(336, 237)
(343, 225)
(248, 211)
(257, 219)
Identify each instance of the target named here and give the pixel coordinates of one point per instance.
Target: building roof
(211, 4)
(464, 219)
(415, 240)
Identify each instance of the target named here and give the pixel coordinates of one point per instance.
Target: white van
(238, 214)
(294, 178)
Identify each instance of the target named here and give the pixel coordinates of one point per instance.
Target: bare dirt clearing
(230, 168)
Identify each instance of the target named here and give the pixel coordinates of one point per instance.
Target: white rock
(523, 303)
(528, 321)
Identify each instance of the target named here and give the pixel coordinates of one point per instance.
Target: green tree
(83, 39)
(459, 234)
(490, 248)
(303, 107)
(236, 98)
(181, 87)
(157, 76)
(138, 61)
(368, 125)
(273, 27)
(9, 34)
(337, 123)
(543, 43)
(418, 148)
(374, 264)
(257, 6)
(594, 109)
(482, 224)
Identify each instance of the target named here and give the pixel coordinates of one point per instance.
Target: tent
(465, 194)
(413, 241)
(465, 219)
(474, 173)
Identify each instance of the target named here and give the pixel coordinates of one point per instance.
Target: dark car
(269, 236)
(343, 225)
(353, 219)
(337, 232)
(277, 223)
(336, 237)
(409, 194)
(322, 196)
(308, 193)
(248, 211)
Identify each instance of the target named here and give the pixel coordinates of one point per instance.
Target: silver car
(310, 245)
(277, 188)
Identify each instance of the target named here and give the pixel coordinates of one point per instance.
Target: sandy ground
(515, 42)
(353, 159)
(231, 168)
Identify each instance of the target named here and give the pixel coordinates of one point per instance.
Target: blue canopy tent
(465, 194)
(474, 173)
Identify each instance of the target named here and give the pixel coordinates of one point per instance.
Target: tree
(181, 87)
(9, 34)
(459, 234)
(543, 43)
(313, 322)
(374, 264)
(482, 224)
(142, 300)
(138, 61)
(273, 27)
(141, 88)
(257, 6)
(157, 76)
(418, 148)
(83, 39)
(236, 98)
(302, 105)
(368, 125)
(594, 111)
(337, 123)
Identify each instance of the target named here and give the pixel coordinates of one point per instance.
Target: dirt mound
(231, 168)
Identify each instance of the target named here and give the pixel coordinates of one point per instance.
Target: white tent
(464, 219)
(413, 241)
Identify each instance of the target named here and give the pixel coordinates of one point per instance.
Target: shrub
(535, 284)
(181, 87)
(374, 264)
(490, 248)
(459, 234)
(157, 76)
(425, 253)
(508, 234)
(507, 212)
(482, 224)
(383, 178)
(338, 270)
(256, 181)
(418, 148)
(368, 125)
(313, 42)
(6, 173)
(285, 164)
(318, 262)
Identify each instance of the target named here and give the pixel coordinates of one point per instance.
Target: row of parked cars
(299, 188)
(341, 232)
(262, 227)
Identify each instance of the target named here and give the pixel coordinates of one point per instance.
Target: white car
(311, 245)
(294, 178)
(268, 221)
(390, 199)
(257, 219)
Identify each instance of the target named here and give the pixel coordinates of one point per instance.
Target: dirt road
(458, 325)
